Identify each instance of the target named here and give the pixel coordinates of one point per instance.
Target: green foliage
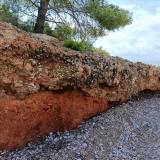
(100, 51)
(77, 23)
(48, 30)
(84, 47)
(64, 31)
(108, 16)
(7, 16)
(26, 26)
(89, 18)
(61, 31)
(78, 46)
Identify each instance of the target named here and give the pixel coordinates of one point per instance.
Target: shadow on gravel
(146, 94)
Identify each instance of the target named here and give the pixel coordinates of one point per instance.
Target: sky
(139, 41)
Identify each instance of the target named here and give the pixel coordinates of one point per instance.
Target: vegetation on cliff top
(158, 67)
(76, 22)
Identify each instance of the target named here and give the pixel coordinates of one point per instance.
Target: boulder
(45, 87)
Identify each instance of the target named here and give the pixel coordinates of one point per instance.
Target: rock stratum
(45, 87)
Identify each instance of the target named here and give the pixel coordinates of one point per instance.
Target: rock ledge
(46, 87)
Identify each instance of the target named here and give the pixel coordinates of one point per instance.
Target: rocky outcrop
(46, 87)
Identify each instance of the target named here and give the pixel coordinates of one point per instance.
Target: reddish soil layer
(24, 120)
(35, 68)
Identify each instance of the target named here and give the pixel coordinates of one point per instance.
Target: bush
(7, 16)
(64, 31)
(75, 45)
(84, 47)
(48, 30)
(101, 51)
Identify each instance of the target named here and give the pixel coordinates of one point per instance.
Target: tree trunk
(42, 10)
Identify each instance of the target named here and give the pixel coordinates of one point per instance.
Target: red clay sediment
(46, 87)
(24, 120)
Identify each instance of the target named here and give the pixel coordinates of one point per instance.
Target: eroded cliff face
(46, 87)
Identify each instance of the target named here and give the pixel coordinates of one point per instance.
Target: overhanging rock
(46, 87)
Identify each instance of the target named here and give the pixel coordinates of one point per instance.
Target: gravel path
(128, 132)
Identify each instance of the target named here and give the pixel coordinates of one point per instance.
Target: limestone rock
(46, 87)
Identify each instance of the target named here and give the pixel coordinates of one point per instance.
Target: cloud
(137, 41)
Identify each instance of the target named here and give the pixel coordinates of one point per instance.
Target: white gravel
(128, 132)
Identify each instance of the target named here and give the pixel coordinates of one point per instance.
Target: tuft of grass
(101, 51)
(84, 47)
(75, 45)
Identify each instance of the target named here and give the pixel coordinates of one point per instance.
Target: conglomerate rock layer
(46, 87)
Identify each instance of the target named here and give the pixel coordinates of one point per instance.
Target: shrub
(7, 16)
(48, 30)
(75, 45)
(64, 31)
(101, 51)
(84, 47)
